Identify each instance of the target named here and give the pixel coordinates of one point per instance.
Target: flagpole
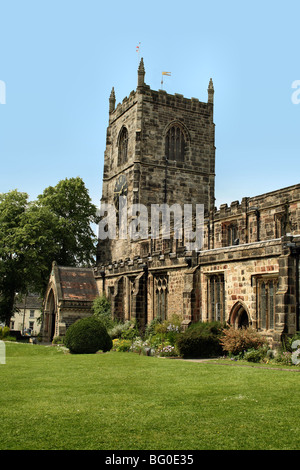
(162, 75)
(138, 51)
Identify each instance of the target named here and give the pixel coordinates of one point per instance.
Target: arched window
(161, 297)
(175, 144)
(123, 146)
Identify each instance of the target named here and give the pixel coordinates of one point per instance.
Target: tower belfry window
(175, 144)
(123, 146)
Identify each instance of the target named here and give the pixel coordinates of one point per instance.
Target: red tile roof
(77, 283)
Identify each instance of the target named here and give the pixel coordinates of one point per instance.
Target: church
(160, 152)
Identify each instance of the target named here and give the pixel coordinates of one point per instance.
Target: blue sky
(60, 59)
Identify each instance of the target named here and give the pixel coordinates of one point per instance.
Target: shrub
(150, 328)
(256, 355)
(117, 330)
(200, 340)
(155, 340)
(131, 331)
(166, 350)
(138, 346)
(4, 332)
(87, 336)
(288, 341)
(159, 331)
(284, 357)
(102, 311)
(121, 345)
(10, 338)
(58, 340)
(236, 341)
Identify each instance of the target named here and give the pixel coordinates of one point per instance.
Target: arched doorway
(239, 316)
(50, 316)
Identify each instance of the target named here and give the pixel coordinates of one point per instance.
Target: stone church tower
(159, 150)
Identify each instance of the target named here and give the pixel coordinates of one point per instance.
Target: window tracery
(175, 144)
(123, 146)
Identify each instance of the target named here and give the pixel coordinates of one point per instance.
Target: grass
(122, 401)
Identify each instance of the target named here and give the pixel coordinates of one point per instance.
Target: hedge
(87, 336)
(200, 340)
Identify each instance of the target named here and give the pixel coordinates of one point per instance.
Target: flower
(167, 350)
(172, 327)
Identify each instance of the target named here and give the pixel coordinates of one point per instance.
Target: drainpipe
(145, 269)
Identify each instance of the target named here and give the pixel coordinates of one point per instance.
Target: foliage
(164, 331)
(4, 332)
(141, 346)
(236, 341)
(256, 355)
(102, 310)
(287, 342)
(150, 328)
(10, 338)
(118, 329)
(155, 340)
(87, 336)
(56, 227)
(200, 340)
(284, 357)
(70, 202)
(121, 345)
(131, 331)
(214, 327)
(13, 262)
(289, 351)
(166, 350)
(58, 340)
(138, 346)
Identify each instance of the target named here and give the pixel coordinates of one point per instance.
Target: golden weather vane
(168, 74)
(138, 50)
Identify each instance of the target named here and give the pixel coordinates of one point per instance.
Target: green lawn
(122, 401)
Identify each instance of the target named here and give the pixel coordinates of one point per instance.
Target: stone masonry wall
(264, 217)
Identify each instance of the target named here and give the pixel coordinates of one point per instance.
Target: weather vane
(168, 74)
(138, 51)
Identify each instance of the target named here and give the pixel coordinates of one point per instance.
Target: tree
(70, 202)
(102, 310)
(56, 227)
(28, 243)
(12, 209)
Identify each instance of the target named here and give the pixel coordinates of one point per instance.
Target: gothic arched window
(123, 146)
(161, 297)
(175, 144)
